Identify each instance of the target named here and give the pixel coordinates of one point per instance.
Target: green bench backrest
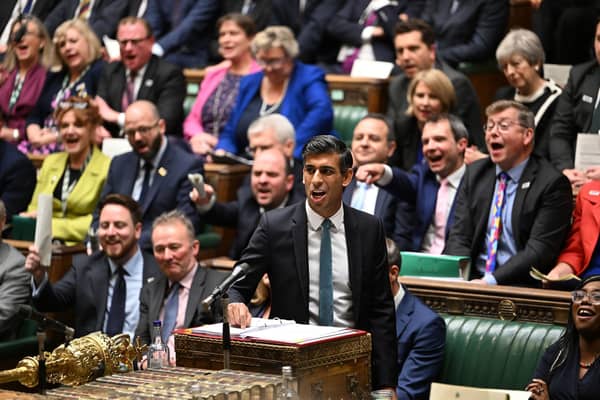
(345, 119)
(486, 352)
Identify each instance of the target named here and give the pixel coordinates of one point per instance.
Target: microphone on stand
(239, 271)
(29, 312)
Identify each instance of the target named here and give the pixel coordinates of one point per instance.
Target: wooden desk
(503, 302)
(225, 179)
(368, 92)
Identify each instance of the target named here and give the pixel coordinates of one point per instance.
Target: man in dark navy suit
(373, 142)
(17, 179)
(271, 186)
(421, 335)
(155, 172)
(444, 140)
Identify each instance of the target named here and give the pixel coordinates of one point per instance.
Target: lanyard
(68, 188)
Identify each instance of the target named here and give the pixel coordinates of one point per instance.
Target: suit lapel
(160, 174)
(404, 312)
(299, 234)
(147, 82)
(484, 196)
(592, 83)
(348, 191)
(195, 296)
(99, 276)
(527, 179)
(382, 204)
(118, 86)
(354, 258)
(125, 177)
(158, 298)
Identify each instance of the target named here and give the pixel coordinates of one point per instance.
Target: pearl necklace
(265, 109)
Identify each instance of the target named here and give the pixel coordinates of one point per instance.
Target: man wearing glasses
(140, 76)
(155, 172)
(513, 208)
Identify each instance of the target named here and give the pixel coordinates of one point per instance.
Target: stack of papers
(278, 330)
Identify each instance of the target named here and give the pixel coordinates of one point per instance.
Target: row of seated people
(329, 31)
(170, 253)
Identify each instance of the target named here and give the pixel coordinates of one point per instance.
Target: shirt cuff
(121, 120)
(490, 279)
(35, 291)
(157, 50)
(206, 207)
(367, 33)
(387, 176)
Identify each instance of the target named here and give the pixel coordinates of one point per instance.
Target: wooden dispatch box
(337, 368)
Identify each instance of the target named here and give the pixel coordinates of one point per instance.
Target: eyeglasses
(271, 62)
(134, 42)
(142, 130)
(252, 150)
(503, 126)
(578, 295)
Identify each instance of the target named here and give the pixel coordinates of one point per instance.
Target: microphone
(239, 271)
(28, 312)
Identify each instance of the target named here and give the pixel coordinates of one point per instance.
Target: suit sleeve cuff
(207, 207)
(387, 176)
(157, 50)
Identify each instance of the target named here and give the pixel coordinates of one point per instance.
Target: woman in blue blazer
(285, 86)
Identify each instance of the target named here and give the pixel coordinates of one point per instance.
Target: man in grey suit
(176, 296)
(104, 289)
(14, 284)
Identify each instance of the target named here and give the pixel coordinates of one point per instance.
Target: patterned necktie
(84, 9)
(129, 93)
(496, 226)
(325, 278)
(171, 310)
(595, 128)
(358, 200)
(116, 315)
(351, 58)
(441, 216)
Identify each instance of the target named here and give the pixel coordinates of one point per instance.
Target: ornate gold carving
(83, 360)
(507, 310)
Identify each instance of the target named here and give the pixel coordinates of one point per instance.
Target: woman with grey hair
(284, 86)
(521, 57)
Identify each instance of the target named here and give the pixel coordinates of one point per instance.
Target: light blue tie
(325, 279)
(171, 309)
(358, 200)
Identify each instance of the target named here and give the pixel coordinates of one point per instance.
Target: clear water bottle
(158, 352)
(288, 385)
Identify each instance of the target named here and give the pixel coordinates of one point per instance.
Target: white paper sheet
(43, 229)
(113, 147)
(371, 69)
(587, 151)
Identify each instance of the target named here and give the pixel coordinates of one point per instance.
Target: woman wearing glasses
(29, 56)
(284, 86)
(570, 368)
(220, 85)
(74, 177)
(80, 53)
(430, 92)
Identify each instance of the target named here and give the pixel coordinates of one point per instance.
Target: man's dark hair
(415, 24)
(393, 253)
(124, 201)
(386, 120)
(459, 131)
(328, 144)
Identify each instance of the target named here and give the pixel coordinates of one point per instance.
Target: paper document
(538, 275)
(371, 69)
(278, 330)
(112, 48)
(587, 151)
(43, 229)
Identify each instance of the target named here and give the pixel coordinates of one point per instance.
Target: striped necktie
(84, 9)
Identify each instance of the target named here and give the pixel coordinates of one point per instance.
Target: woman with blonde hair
(75, 176)
(28, 57)
(430, 92)
(285, 86)
(80, 54)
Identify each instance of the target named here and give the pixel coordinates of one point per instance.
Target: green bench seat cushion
(486, 352)
(345, 118)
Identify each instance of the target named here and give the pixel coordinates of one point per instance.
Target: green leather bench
(345, 118)
(25, 344)
(493, 353)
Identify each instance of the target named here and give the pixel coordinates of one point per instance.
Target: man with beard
(271, 186)
(155, 172)
(429, 187)
(104, 289)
